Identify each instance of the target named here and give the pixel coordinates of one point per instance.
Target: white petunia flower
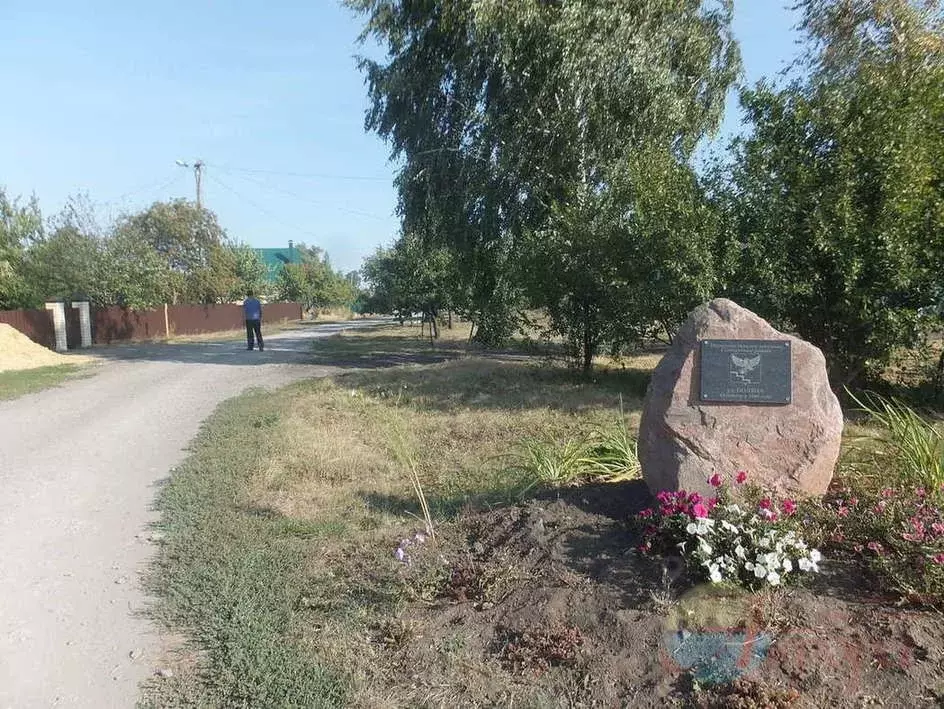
(739, 552)
(787, 565)
(714, 573)
(772, 559)
(815, 556)
(692, 528)
(759, 571)
(773, 578)
(805, 564)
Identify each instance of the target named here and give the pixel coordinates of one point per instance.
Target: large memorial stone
(732, 394)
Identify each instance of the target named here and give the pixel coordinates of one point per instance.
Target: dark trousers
(254, 327)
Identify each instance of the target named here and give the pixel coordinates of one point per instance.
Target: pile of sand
(17, 351)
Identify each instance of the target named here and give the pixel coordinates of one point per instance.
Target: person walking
(252, 309)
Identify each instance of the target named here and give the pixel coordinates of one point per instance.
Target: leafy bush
(724, 542)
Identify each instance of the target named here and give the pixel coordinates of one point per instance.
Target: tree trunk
(449, 312)
(939, 374)
(587, 344)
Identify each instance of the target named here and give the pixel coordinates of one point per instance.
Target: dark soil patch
(548, 604)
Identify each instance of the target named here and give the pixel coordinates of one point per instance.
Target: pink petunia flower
(765, 504)
(888, 492)
(938, 558)
(699, 510)
(646, 513)
(875, 546)
(842, 512)
(715, 480)
(788, 507)
(741, 477)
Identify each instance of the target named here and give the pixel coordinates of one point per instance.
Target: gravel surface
(79, 468)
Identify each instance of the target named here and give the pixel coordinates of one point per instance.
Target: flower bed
(723, 541)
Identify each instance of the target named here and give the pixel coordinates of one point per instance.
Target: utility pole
(197, 166)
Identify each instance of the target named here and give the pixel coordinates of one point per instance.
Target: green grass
(232, 574)
(279, 530)
(913, 447)
(16, 383)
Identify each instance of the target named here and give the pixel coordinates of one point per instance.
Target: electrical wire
(306, 175)
(262, 209)
(322, 203)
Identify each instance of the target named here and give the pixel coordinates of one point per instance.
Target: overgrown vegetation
(309, 491)
(299, 558)
(546, 152)
(170, 252)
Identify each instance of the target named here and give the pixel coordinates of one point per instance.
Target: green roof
(274, 259)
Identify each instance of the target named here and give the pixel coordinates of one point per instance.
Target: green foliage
(515, 123)
(19, 226)
(612, 455)
(250, 271)
(314, 282)
(837, 191)
(897, 531)
(132, 273)
(190, 241)
(607, 455)
(410, 277)
(63, 262)
(914, 449)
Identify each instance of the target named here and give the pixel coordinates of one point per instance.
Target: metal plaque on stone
(746, 372)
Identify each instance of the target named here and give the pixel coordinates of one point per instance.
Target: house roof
(274, 259)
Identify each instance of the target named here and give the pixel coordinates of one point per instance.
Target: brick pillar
(85, 322)
(59, 322)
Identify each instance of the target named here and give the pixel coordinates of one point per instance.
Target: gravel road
(79, 467)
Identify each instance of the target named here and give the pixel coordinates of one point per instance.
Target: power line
(322, 203)
(306, 175)
(262, 209)
(153, 187)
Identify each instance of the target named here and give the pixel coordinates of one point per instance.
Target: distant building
(274, 259)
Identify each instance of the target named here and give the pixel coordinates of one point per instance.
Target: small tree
(838, 190)
(19, 226)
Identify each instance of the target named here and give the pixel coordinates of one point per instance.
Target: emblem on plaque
(745, 370)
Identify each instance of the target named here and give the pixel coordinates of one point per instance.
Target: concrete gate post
(58, 311)
(85, 322)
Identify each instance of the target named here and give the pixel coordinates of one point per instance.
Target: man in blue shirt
(252, 309)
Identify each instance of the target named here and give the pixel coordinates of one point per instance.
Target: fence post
(58, 311)
(166, 322)
(85, 322)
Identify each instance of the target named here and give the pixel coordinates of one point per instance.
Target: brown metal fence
(117, 324)
(35, 324)
(121, 324)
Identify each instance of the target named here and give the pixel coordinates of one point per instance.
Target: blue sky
(101, 97)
